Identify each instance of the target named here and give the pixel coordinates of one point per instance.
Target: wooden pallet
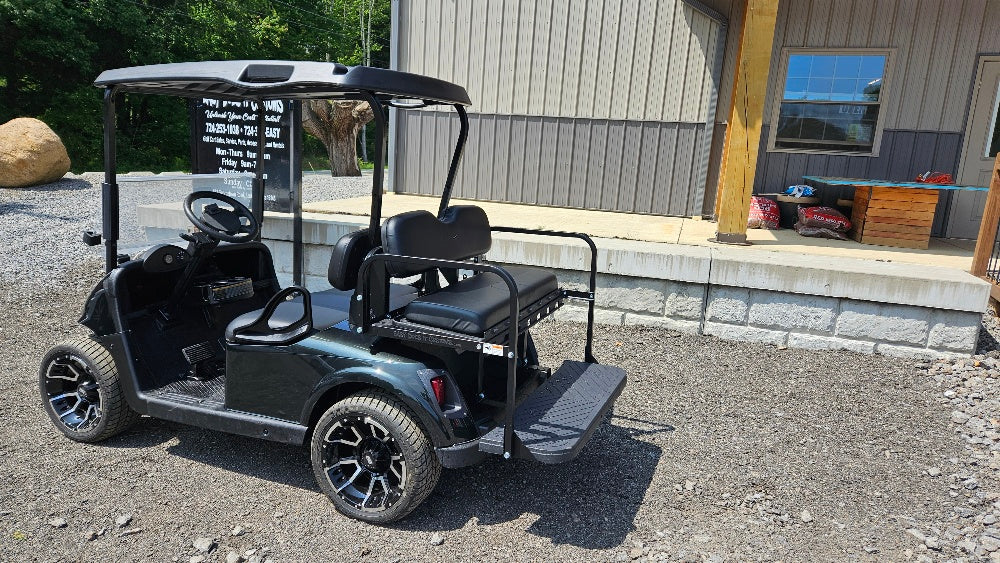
(889, 216)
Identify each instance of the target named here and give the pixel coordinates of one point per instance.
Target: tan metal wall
(597, 103)
(936, 43)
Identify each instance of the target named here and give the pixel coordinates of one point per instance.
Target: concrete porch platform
(830, 295)
(951, 253)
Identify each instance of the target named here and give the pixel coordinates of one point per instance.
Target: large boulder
(30, 154)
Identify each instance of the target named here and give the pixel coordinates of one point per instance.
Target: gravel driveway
(716, 451)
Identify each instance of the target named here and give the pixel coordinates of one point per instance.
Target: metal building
(591, 104)
(623, 106)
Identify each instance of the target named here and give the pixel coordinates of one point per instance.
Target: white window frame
(779, 93)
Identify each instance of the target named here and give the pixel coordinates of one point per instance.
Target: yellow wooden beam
(745, 120)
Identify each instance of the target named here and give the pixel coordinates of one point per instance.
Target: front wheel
(372, 459)
(82, 393)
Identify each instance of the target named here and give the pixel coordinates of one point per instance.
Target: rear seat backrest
(462, 232)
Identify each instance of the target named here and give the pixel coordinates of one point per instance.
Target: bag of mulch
(824, 218)
(764, 213)
(818, 232)
(931, 177)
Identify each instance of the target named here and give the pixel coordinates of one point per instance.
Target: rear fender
(407, 385)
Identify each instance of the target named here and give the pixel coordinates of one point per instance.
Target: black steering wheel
(221, 223)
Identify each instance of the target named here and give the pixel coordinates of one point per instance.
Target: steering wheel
(221, 223)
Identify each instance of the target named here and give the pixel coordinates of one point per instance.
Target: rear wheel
(82, 393)
(372, 459)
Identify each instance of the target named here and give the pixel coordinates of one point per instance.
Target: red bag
(824, 218)
(935, 178)
(764, 213)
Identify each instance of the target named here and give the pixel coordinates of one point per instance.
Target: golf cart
(420, 357)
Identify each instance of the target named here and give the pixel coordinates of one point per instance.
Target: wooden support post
(745, 120)
(988, 228)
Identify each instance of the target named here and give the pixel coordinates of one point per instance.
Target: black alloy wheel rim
(363, 463)
(73, 393)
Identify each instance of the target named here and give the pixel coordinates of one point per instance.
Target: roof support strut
(456, 159)
(378, 173)
(109, 189)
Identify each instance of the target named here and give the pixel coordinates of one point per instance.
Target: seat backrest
(346, 259)
(462, 232)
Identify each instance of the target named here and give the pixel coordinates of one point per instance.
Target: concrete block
(684, 300)
(281, 253)
(891, 323)
(728, 304)
(579, 315)
(954, 330)
(792, 311)
(680, 325)
(632, 294)
(817, 342)
(851, 278)
(316, 259)
(618, 257)
(745, 333)
(913, 353)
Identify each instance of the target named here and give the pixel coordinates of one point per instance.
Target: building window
(830, 102)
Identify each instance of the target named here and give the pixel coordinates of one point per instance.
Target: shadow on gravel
(15, 208)
(590, 502)
(279, 463)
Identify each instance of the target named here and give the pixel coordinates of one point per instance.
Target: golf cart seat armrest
(275, 324)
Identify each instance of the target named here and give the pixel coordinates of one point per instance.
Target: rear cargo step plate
(554, 423)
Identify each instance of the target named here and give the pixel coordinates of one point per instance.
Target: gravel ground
(717, 451)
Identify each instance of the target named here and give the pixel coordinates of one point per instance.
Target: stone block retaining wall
(785, 299)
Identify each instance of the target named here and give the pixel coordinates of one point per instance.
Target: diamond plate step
(554, 423)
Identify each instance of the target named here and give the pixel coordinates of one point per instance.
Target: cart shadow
(590, 502)
(284, 464)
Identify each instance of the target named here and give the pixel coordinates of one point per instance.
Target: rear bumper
(460, 455)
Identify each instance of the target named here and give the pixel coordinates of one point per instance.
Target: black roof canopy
(278, 79)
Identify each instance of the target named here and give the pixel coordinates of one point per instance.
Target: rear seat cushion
(473, 305)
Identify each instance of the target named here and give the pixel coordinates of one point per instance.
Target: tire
(371, 457)
(82, 393)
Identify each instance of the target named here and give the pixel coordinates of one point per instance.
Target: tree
(336, 124)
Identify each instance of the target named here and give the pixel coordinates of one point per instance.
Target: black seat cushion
(399, 296)
(473, 305)
(287, 313)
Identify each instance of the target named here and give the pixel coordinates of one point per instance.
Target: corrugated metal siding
(568, 99)
(936, 43)
(586, 163)
(594, 59)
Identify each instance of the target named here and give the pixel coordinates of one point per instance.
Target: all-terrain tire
(95, 363)
(391, 422)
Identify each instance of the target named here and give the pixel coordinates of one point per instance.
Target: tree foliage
(56, 48)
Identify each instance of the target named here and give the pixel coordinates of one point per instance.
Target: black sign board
(224, 141)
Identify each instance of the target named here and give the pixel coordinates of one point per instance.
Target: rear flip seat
(470, 306)
(473, 305)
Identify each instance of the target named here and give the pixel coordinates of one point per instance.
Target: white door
(982, 141)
